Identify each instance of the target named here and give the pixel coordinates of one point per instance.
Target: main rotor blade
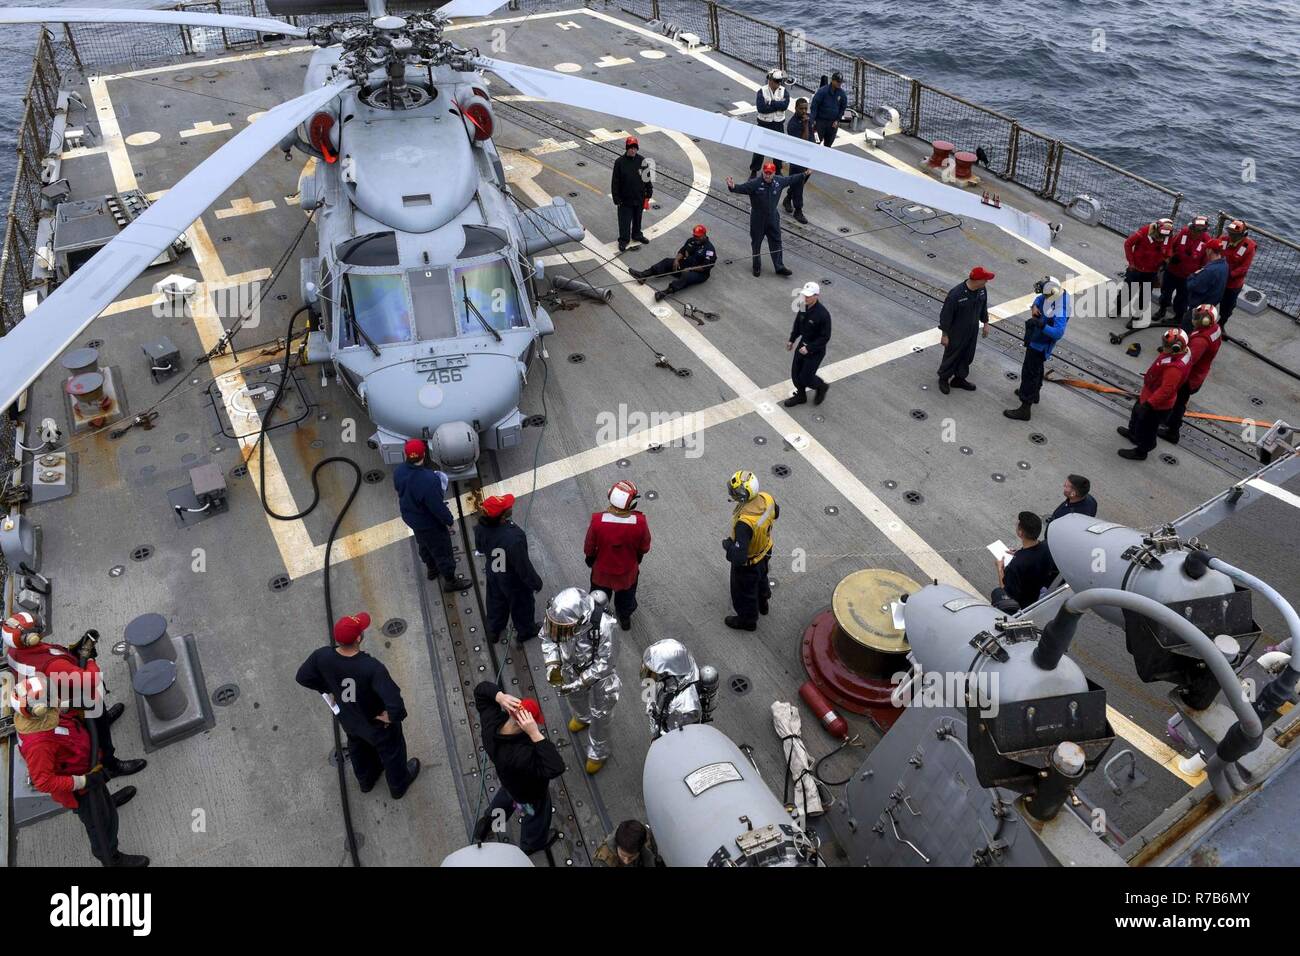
(470, 8)
(165, 17)
(34, 342)
(729, 131)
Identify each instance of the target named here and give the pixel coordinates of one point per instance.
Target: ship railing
(1051, 168)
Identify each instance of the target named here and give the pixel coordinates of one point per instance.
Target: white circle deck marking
(144, 138)
(653, 54)
(568, 68)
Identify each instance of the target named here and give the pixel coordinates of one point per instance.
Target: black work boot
(738, 623)
(122, 797)
(783, 271)
(798, 398)
(944, 386)
(1133, 454)
(1020, 414)
(127, 859)
(1164, 432)
(124, 768)
(821, 391)
(413, 769)
(115, 712)
(456, 583)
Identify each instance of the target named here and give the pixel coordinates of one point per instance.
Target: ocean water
(1191, 95)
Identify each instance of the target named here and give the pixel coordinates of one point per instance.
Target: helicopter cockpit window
(378, 305)
(481, 240)
(434, 316)
(491, 290)
(372, 249)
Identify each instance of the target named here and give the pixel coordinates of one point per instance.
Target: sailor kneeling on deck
(749, 547)
(691, 266)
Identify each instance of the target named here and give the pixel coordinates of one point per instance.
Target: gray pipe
(585, 289)
(1282, 688)
(1243, 737)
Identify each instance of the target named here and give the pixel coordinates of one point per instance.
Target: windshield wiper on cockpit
(352, 320)
(470, 306)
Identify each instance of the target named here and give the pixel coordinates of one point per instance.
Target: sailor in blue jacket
(764, 194)
(773, 104)
(1044, 328)
(828, 106)
(420, 497)
(1207, 284)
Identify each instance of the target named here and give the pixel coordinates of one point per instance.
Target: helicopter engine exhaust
(585, 289)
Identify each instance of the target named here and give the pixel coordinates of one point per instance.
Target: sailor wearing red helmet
(1239, 252)
(1202, 347)
(368, 704)
(1145, 251)
(1159, 393)
(421, 497)
(75, 675)
(691, 266)
(631, 186)
(56, 745)
(1186, 255)
(617, 539)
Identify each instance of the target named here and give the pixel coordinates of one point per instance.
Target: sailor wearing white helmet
(809, 336)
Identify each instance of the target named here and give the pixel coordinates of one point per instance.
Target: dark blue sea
(1188, 94)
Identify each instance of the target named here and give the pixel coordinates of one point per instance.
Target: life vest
(758, 512)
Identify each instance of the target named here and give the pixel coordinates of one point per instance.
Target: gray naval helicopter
(423, 292)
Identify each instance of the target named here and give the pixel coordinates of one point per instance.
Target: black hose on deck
(329, 547)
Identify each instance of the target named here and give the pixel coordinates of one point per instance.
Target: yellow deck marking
(204, 127)
(244, 207)
(301, 557)
(291, 537)
(111, 135)
(145, 138)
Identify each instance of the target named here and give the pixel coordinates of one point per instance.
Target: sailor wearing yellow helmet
(749, 547)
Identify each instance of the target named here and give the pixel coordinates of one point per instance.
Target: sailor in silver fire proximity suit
(675, 699)
(578, 648)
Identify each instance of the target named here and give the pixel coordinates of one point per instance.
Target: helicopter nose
(405, 401)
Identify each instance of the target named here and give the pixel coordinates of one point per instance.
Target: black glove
(96, 778)
(591, 560)
(726, 544)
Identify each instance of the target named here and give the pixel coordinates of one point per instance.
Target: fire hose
(1113, 390)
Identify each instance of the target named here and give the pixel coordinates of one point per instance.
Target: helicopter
(423, 294)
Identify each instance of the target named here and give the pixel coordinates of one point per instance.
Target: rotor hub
(391, 44)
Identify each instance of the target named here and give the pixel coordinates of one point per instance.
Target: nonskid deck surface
(887, 473)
